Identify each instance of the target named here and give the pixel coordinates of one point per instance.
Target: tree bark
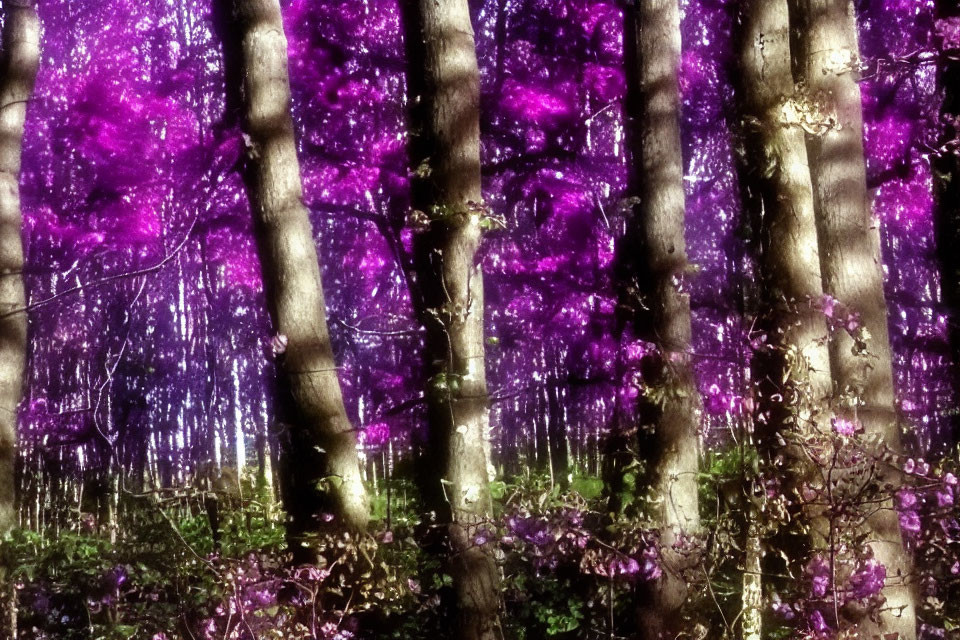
(851, 265)
(792, 289)
(18, 71)
(445, 78)
(670, 422)
(323, 469)
(557, 433)
(792, 369)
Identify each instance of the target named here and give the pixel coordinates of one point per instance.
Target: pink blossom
(868, 580)
(845, 427)
(906, 499)
(944, 497)
(910, 522)
(828, 304)
(819, 572)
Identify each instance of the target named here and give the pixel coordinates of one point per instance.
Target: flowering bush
(570, 568)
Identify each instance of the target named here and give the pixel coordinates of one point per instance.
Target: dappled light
(614, 319)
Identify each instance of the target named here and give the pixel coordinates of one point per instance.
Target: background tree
(947, 173)
(19, 60)
(322, 468)
(443, 67)
(851, 265)
(670, 420)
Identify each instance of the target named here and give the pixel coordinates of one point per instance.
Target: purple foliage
(131, 166)
(130, 163)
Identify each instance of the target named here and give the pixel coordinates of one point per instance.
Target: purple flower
(867, 580)
(906, 499)
(574, 517)
(928, 632)
(844, 427)
(910, 521)
(629, 567)
(828, 304)
(782, 609)
(944, 497)
(650, 570)
(819, 571)
(817, 623)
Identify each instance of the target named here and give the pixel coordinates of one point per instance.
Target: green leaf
(589, 487)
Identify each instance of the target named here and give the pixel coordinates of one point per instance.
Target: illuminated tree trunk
(557, 432)
(792, 289)
(851, 265)
(792, 370)
(669, 429)
(947, 190)
(444, 68)
(18, 70)
(323, 470)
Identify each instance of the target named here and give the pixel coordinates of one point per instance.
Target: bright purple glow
(130, 163)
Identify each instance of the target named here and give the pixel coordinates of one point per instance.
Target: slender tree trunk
(792, 288)
(851, 265)
(323, 443)
(444, 69)
(751, 626)
(557, 433)
(18, 71)
(947, 191)
(541, 432)
(669, 430)
(792, 370)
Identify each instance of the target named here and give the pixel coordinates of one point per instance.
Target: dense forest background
(171, 479)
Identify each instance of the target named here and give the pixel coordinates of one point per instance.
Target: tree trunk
(751, 626)
(669, 429)
(557, 433)
(947, 190)
(851, 265)
(792, 288)
(20, 59)
(323, 470)
(541, 432)
(792, 369)
(443, 67)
